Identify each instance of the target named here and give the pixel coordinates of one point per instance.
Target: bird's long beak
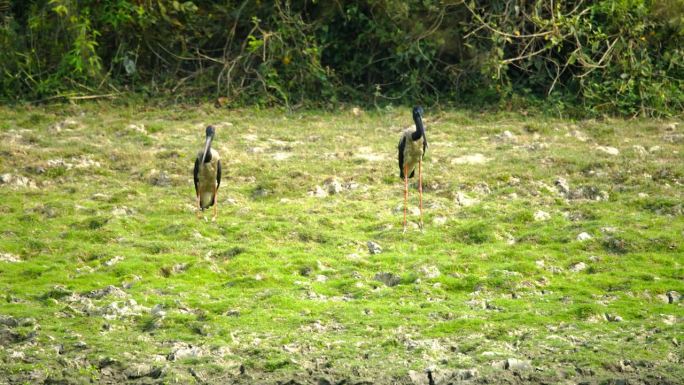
(206, 148)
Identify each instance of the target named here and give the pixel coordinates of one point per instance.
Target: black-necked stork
(412, 147)
(207, 174)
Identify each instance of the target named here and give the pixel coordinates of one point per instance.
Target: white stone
(608, 150)
(583, 237)
(541, 216)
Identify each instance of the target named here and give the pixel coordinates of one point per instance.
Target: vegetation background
(578, 57)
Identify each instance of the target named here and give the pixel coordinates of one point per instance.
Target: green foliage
(607, 57)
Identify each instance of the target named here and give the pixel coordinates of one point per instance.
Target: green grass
(282, 283)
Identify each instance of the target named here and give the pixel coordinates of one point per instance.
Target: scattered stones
(388, 279)
(373, 247)
(332, 186)
(159, 178)
(612, 317)
(583, 237)
(439, 221)
(139, 370)
(673, 297)
(653, 149)
(65, 124)
(430, 271)
(140, 128)
(281, 156)
(640, 151)
(464, 201)
(317, 192)
(17, 181)
(579, 135)
(11, 258)
(506, 136)
(107, 291)
(158, 311)
(181, 351)
(114, 260)
(540, 215)
(577, 267)
(122, 211)
(562, 186)
(608, 150)
(515, 364)
(470, 159)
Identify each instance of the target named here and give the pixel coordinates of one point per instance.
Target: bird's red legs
(215, 202)
(420, 190)
(199, 207)
(405, 193)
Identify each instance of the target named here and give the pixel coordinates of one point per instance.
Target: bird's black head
(211, 131)
(417, 111)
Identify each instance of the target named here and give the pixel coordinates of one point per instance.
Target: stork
(207, 175)
(412, 148)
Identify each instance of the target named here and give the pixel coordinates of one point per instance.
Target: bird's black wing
(195, 175)
(402, 145)
(218, 174)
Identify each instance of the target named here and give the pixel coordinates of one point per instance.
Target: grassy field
(552, 251)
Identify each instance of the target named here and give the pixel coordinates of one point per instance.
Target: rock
(373, 247)
(470, 159)
(11, 258)
(506, 136)
(317, 192)
(540, 215)
(608, 150)
(577, 267)
(430, 271)
(583, 237)
(439, 221)
(562, 186)
(513, 181)
(516, 365)
(321, 278)
(122, 211)
(640, 151)
(388, 279)
(653, 149)
(465, 201)
(673, 296)
(281, 156)
(579, 135)
(17, 181)
(612, 317)
(158, 311)
(160, 178)
(140, 370)
(332, 186)
(109, 290)
(185, 351)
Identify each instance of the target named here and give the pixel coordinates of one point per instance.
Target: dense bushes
(622, 56)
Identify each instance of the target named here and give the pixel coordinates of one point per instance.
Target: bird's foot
(213, 218)
(420, 226)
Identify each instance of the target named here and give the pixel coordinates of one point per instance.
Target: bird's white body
(413, 150)
(207, 178)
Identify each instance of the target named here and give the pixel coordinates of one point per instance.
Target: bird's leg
(215, 203)
(199, 207)
(405, 193)
(420, 191)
